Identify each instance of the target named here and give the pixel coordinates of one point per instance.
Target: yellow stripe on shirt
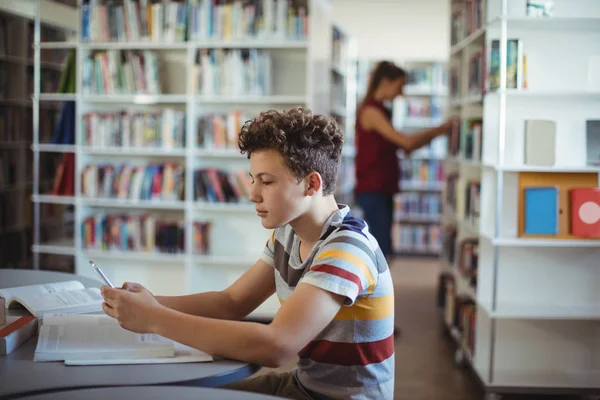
(354, 260)
(365, 309)
(368, 309)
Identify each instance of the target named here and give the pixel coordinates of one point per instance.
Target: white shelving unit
(343, 105)
(16, 175)
(299, 78)
(537, 303)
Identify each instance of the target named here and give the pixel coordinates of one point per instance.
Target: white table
(19, 375)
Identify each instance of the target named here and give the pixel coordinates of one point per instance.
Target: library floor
(424, 354)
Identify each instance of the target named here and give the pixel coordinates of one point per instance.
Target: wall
(396, 29)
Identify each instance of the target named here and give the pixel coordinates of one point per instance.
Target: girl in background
(376, 162)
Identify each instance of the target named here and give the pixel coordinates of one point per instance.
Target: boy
(337, 302)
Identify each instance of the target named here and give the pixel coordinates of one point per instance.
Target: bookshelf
(418, 206)
(519, 299)
(189, 99)
(343, 106)
(16, 115)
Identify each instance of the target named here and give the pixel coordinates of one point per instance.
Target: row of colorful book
(134, 182)
(173, 21)
(121, 72)
(421, 171)
(426, 206)
(416, 238)
(217, 186)
(135, 128)
(231, 72)
(133, 232)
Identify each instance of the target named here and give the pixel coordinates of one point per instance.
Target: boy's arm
(233, 303)
(304, 314)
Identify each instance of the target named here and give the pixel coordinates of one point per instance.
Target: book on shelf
(592, 131)
(220, 131)
(259, 19)
(472, 139)
(416, 238)
(232, 72)
(585, 212)
(100, 340)
(15, 330)
(70, 297)
(135, 129)
(201, 237)
(140, 232)
(117, 72)
(217, 186)
(540, 142)
(134, 182)
(424, 206)
(541, 210)
(141, 20)
(514, 64)
(540, 8)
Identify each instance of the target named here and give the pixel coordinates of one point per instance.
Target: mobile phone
(99, 271)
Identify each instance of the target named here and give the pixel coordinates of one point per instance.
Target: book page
(74, 319)
(98, 340)
(76, 301)
(20, 291)
(183, 354)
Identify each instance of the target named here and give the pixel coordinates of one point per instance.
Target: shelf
(546, 93)
(53, 199)
(226, 207)
(531, 242)
(135, 98)
(58, 45)
(251, 44)
(54, 148)
(231, 261)
(127, 203)
(134, 151)
(63, 246)
(268, 99)
(544, 312)
(147, 45)
(220, 153)
(554, 23)
(544, 382)
(57, 97)
(552, 169)
(135, 255)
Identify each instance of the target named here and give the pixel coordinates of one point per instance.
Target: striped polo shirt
(353, 357)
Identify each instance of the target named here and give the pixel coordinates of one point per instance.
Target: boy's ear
(314, 182)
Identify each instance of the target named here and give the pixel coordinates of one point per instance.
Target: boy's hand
(132, 286)
(135, 308)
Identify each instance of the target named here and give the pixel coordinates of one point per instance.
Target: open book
(62, 297)
(99, 340)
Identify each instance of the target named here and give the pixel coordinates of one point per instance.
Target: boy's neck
(308, 226)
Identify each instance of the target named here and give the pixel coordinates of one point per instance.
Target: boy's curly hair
(306, 141)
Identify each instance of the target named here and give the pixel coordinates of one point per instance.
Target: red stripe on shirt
(349, 354)
(342, 273)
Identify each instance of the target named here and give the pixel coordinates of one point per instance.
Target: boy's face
(278, 196)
